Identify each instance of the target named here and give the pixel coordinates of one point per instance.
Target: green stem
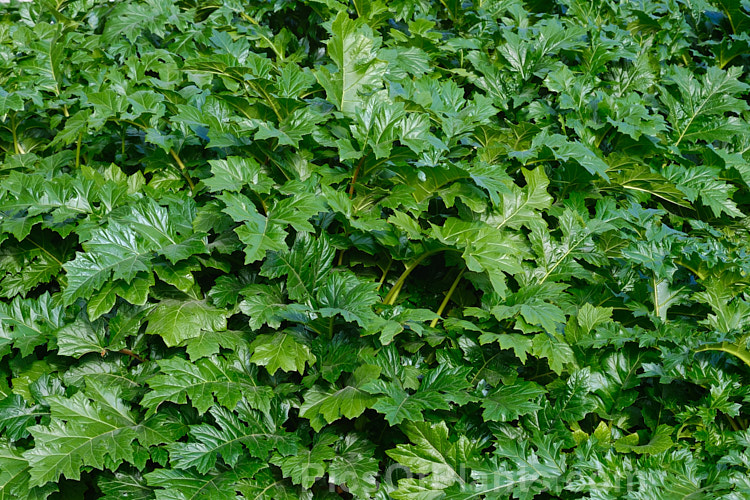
(385, 273)
(390, 299)
(270, 158)
(447, 298)
(484, 365)
(263, 206)
(16, 145)
(733, 349)
(732, 423)
(183, 169)
(723, 64)
(50, 254)
(78, 150)
(654, 285)
(354, 177)
(177, 159)
(395, 291)
(271, 104)
(269, 42)
(600, 139)
(130, 353)
(687, 266)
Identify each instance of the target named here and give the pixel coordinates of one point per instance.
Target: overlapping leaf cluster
(392, 249)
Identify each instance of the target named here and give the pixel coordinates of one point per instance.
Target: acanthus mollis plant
(409, 250)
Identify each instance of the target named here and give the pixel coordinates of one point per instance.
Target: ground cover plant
(399, 249)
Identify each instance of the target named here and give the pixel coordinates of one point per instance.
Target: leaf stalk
(390, 299)
(730, 348)
(447, 298)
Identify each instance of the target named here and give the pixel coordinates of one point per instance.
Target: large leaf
(305, 266)
(508, 402)
(85, 432)
(178, 320)
(231, 438)
(352, 48)
(433, 454)
(281, 350)
(324, 406)
(203, 380)
(700, 99)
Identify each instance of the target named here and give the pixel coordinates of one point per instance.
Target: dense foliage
(393, 249)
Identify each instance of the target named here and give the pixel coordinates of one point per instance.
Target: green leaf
(564, 150)
(209, 343)
(126, 247)
(123, 485)
(343, 293)
(293, 80)
(27, 323)
(81, 433)
(305, 266)
(556, 350)
(352, 48)
(660, 442)
(221, 484)
(263, 233)
(573, 400)
(16, 417)
(14, 477)
(116, 252)
(484, 248)
(132, 20)
(324, 406)
(639, 179)
(354, 468)
(520, 344)
(521, 206)
(101, 302)
(280, 350)
(508, 402)
(378, 124)
(232, 437)
(81, 337)
(292, 128)
(438, 389)
(178, 320)
(9, 101)
(308, 465)
(422, 250)
(702, 182)
(263, 304)
(236, 172)
(432, 453)
(591, 316)
(227, 380)
(700, 99)
(546, 464)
